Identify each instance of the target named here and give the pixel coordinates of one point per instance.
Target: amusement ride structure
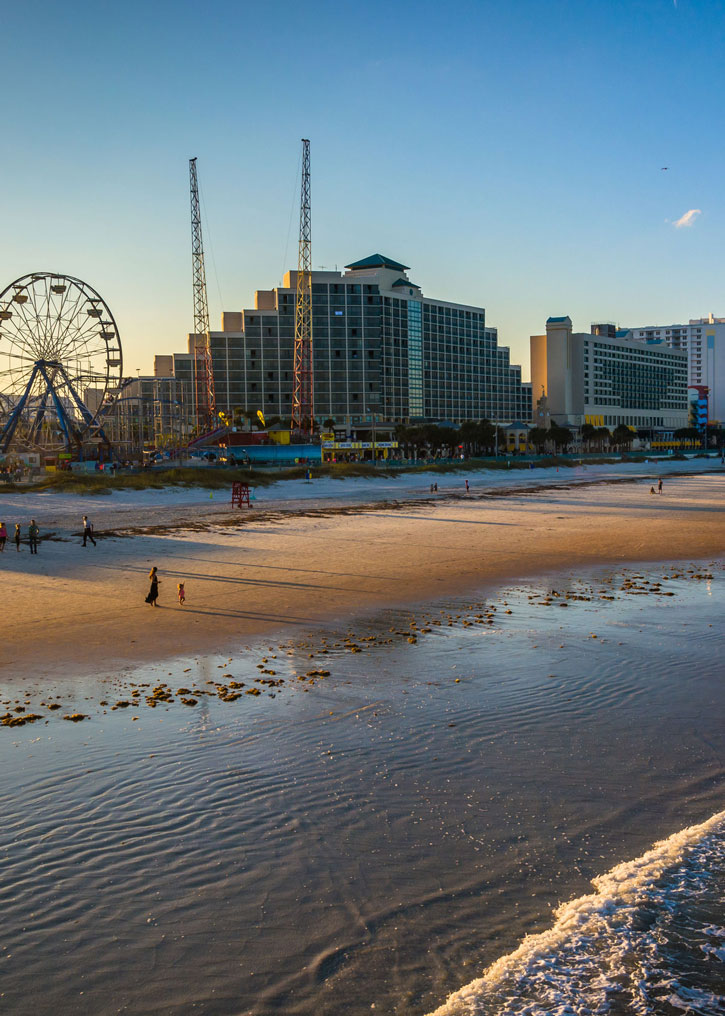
(61, 364)
(203, 370)
(303, 410)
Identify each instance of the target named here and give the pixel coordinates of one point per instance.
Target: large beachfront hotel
(703, 339)
(605, 378)
(381, 348)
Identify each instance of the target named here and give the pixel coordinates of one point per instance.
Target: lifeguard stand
(240, 494)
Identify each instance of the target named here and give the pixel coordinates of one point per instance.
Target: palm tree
(622, 436)
(538, 436)
(561, 436)
(603, 436)
(588, 432)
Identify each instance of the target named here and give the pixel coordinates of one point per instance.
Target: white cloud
(688, 218)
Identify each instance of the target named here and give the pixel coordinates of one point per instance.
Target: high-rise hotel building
(604, 378)
(379, 347)
(703, 339)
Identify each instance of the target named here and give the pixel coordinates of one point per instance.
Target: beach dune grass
(216, 478)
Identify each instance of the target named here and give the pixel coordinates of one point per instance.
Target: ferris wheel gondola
(60, 361)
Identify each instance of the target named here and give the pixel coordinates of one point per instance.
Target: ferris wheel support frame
(71, 437)
(8, 430)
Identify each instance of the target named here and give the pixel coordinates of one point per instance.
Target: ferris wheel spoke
(14, 378)
(85, 344)
(71, 327)
(84, 334)
(28, 325)
(18, 336)
(78, 328)
(18, 356)
(63, 301)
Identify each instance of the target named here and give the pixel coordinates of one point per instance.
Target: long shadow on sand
(239, 614)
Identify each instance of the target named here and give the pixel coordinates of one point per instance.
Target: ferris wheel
(60, 363)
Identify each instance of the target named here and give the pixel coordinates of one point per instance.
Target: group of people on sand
(34, 535)
(434, 487)
(659, 487)
(17, 538)
(153, 593)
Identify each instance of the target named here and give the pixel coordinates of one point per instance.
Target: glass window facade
(415, 360)
(391, 352)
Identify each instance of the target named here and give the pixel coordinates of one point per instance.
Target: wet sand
(369, 840)
(82, 609)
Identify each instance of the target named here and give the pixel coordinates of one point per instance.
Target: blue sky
(509, 152)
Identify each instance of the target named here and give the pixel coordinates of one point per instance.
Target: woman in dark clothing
(154, 590)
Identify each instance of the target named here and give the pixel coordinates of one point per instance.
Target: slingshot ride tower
(60, 364)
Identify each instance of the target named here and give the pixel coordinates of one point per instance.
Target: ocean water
(650, 939)
(482, 807)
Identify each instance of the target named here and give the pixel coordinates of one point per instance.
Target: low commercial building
(606, 379)
(381, 351)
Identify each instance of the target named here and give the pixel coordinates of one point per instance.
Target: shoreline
(534, 757)
(289, 571)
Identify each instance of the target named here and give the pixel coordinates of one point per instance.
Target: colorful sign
(357, 445)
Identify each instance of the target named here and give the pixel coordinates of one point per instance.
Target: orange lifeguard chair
(240, 494)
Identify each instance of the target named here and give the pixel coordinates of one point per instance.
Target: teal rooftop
(378, 261)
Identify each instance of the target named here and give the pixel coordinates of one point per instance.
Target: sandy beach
(371, 754)
(303, 556)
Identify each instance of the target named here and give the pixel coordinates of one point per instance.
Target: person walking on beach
(87, 531)
(33, 534)
(659, 485)
(3, 537)
(154, 590)
(182, 594)
(17, 536)
(467, 487)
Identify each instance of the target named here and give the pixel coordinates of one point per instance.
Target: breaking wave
(650, 940)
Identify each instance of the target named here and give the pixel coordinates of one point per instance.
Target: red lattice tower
(303, 410)
(203, 369)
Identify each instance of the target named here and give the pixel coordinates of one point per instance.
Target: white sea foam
(599, 950)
